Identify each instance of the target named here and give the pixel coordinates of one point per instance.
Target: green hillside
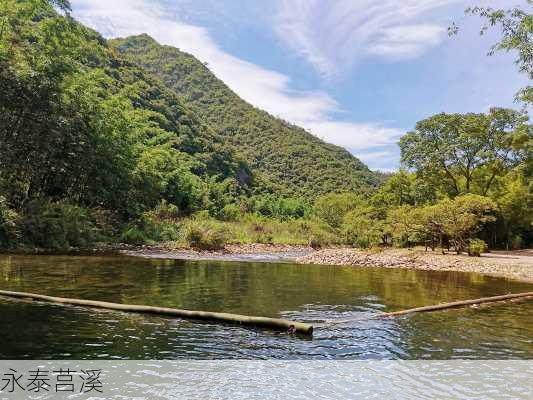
(296, 162)
(83, 129)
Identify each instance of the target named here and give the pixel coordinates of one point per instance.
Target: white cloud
(375, 155)
(261, 87)
(406, 41)
(354, 136)
(373, 144)
(340, 32)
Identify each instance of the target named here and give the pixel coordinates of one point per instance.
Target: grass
(202, 232)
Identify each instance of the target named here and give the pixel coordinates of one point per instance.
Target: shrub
(281, 208)
(206, 235)
(58, 226)
(165, 211)
(202, 215)
(517, 242)
(9, 233)
(261, 234)
(476, 247)
(157, 225)
(362, 228)
(320, 234)
(133, 235)
(106, 223)
(230, 212)
(332, 207)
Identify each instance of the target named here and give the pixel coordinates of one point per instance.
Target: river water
(35, 330)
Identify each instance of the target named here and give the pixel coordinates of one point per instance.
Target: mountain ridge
(295, 161)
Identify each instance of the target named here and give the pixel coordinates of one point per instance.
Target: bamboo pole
(273, 323)
(437, 307)
(455, 304)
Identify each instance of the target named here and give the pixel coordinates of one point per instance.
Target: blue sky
(357, 73)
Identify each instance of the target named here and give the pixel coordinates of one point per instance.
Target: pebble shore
(514, 266)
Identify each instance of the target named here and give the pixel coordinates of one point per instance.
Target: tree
(516, 26)
(408, 224)
(464, 217)
(334, 206)
(465, 153)
(456, 221)
(403, 188)
(515, 211)
(362, 227)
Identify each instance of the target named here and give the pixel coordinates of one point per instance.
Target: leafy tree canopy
(466, 153)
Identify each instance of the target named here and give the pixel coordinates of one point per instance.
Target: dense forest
(130, 141)
(296, 162)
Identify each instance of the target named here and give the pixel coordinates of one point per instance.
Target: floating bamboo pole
(455, 304)
(273, 323)
(437, 307)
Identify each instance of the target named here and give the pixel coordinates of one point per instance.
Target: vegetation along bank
(128, 141)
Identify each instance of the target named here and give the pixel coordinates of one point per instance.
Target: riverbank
(516, 265)
(513, 264)
(233, 252)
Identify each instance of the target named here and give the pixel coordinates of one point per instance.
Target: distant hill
(292, 160)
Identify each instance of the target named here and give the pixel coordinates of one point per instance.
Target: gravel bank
(234, 252)
(513, 265)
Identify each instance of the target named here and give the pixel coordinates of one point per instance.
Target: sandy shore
(514, 265)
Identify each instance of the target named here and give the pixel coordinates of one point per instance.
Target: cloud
(354, 136)
(374, 144)
(341, 32)
(406, 41)
(263, 88)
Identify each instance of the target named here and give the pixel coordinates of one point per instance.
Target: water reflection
(308, 293)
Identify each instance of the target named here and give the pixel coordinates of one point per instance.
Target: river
(311, 293)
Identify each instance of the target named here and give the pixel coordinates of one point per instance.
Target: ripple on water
(306, 293)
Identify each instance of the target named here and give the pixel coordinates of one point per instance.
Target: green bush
(320, 234)
(165, 211)
(9, 233)
(361, 228)
(517, 242)
(133, 235)
(230, 212)
(261, 233)
(476, 247)
(206, 235)
(58, 226)
(106, 222)
(157, 225)
(281, 208)
(332, 207)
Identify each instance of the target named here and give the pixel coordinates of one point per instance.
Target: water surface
(311, 293)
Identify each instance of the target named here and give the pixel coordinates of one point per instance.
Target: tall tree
(465, 153)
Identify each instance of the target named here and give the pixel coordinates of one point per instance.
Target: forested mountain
(127, 140)
(91, 140)
(81, 126)
(296, 162)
